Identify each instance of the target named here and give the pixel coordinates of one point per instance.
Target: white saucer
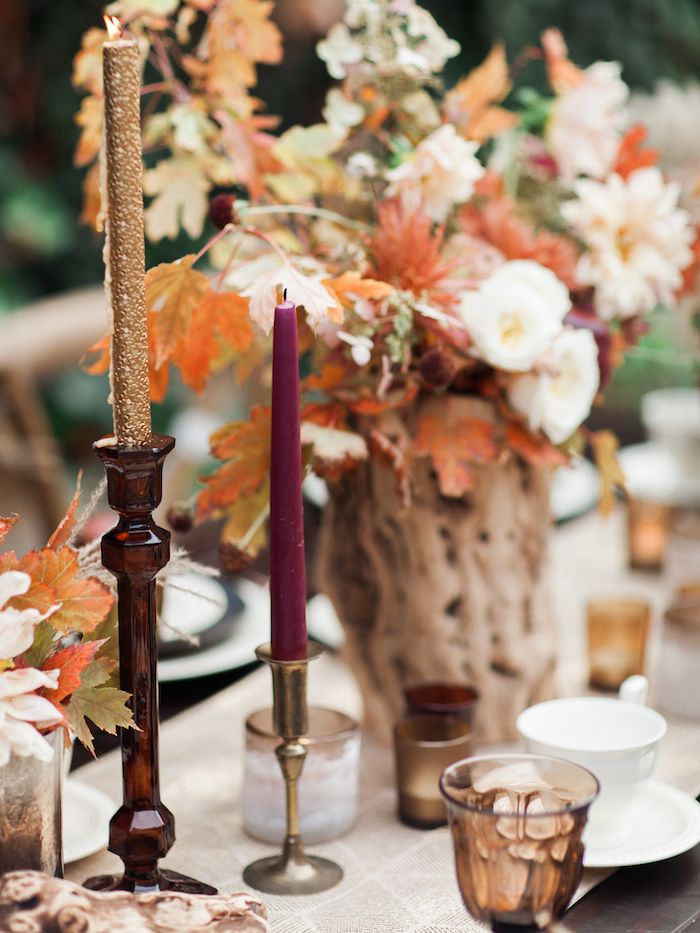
(86, 816)
(663, 822)
(652, 472)
(249, 630)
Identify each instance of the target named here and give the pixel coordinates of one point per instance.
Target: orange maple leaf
(70, 662)
(366, 403)
(85, 602)
(245, 448)
(38, 596)
(6, 524)
(470, 104)
(332, 375)
(89, 119)
(562, 74)
(632, 153)
(350, 286)
(533, 448)
(173, 291)
(455, 445)
(328, 415)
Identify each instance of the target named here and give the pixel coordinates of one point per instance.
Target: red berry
(221, 210)
(437, 367)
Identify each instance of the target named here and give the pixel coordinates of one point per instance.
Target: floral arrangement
(57, 646)
(484, 240)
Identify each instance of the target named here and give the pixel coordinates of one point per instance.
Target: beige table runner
(397, 880)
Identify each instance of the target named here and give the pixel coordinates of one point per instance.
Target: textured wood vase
(450, 589)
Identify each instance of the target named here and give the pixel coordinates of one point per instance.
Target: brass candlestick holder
(293, 871)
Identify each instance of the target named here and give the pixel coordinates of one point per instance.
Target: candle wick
(285, 294)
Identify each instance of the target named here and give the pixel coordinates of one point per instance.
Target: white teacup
(615, 739)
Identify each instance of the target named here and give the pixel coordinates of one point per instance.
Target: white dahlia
(638, 241)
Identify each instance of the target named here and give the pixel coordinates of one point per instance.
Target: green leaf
(104, 706)
(41, 646)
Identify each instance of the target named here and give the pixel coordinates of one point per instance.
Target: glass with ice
(517, 823)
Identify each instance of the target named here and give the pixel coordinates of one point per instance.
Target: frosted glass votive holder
(328, 785)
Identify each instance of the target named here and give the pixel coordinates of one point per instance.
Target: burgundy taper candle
(287, 565)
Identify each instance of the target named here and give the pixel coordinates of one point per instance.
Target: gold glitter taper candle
(124, 244)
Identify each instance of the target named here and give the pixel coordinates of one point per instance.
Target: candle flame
(114, 27)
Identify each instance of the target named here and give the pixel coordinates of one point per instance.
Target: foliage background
(43, 247)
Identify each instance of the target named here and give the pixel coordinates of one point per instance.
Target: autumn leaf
(245, 448)
(180, 191)
(66, 526)
(106, 707)
(70, 662)
(39, 596)
(533, 448)
(128, 9)
(229, 314)
(245, 523)
(334, 452)
(44, 640)
(89, 119)
(455, 445)
(632, 153)
(249, 148)
(350, 286)
(470, 104)
(91, 213)
(366, 402)
(605, 444)
(84, 600)
(325, 414)
(87, 63)
(331, 376)
(303, 290)
(562, 74)
(6, 524)
(173, 291)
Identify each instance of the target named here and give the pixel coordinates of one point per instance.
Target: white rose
(516, 314)
(440, 173)
(558, 399)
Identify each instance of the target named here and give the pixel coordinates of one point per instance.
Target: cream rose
(586, 122)
(558, 399)
(440, 173)
(514, 316)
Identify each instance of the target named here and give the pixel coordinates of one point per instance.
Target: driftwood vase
(449, 590)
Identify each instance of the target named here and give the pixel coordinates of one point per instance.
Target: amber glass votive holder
(647, 533)
(617, 640)
(424, 746)
(517, 823)
(442, 699)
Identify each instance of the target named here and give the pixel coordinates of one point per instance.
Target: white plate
(250, 629)
(86, 816)
(663, 822)
(653, 473)
(575, 490)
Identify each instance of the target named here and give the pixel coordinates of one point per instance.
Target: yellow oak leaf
(455, 444)
(180, 192)
(173, 291)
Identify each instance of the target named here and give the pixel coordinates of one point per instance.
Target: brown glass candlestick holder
(293, 871)
(142, 830)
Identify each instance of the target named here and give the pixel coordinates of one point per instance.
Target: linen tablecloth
(397, 880)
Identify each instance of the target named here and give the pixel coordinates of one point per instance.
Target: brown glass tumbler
(424, 747)
(647, 526)
(617, 639)
(442, 699)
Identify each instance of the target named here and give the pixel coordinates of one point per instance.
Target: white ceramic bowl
(614, 739)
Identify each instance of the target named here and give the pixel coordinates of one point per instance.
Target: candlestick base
(166, 880)
(293, 872)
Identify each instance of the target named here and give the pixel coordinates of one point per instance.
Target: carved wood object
(453, 590)
(31, 902)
